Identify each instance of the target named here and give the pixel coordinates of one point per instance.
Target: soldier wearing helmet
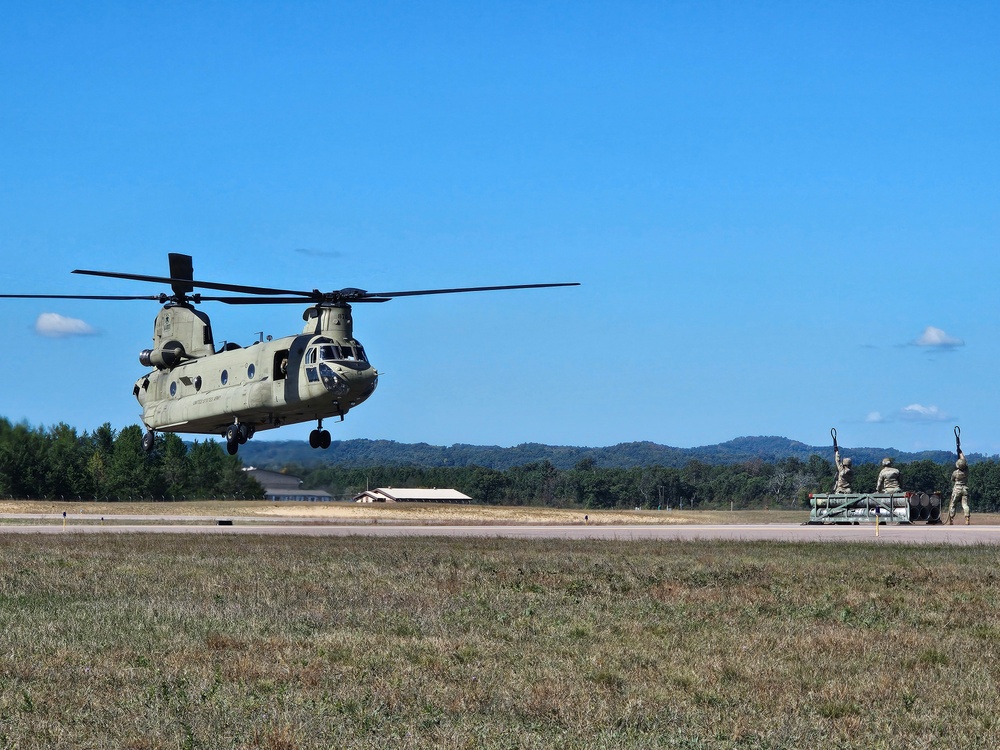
(844, 474)
(888, 478)
(960, 488)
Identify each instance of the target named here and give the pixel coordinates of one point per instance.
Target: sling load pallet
(858, 508)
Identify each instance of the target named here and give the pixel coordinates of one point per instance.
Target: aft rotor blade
(155, 297)
(197, 284)
(421, 292)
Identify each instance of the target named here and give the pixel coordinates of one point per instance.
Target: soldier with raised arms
(959, 482)
(844, 471)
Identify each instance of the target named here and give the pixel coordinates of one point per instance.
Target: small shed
(412, 495)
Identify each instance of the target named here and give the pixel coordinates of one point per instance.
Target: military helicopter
(234, 391)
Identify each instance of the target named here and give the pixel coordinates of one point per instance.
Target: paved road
(915, 534)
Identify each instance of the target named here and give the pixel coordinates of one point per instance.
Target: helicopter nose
(348, 384)
(364, 385)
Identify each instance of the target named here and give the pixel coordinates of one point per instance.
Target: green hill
(360, 453)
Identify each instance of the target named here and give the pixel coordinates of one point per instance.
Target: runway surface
(172, 524)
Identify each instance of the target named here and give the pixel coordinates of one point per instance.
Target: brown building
(278, 486)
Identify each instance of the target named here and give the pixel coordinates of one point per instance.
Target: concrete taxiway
(173, 524)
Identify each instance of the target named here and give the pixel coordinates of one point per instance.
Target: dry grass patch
(417, 513)
(271, 642)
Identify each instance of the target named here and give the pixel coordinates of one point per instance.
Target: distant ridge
(275, 454)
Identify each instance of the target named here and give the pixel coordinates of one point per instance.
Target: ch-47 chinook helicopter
(233, 391)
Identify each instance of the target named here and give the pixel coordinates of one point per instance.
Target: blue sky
(784, 215)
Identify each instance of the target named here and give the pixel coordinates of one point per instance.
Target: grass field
(272, 642)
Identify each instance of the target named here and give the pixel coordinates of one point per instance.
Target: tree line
(752, 484)
(57, 463)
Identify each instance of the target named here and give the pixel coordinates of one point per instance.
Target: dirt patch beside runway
(402, 513)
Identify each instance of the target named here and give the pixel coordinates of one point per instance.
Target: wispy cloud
(58, 326)
(875, 417)
(935, 338)
(921, 413)
(315, 253)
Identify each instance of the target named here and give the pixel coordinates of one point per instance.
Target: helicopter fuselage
(193, 387)
(308, 377)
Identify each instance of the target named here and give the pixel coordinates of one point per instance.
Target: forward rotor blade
(273, 300)
(360, 295)
(299, 295)
(421, 292)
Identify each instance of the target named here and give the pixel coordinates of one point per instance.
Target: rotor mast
(334, 320)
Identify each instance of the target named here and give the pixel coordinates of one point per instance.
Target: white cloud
(921, 413)
(57, 326)
(874, 417)
(938, 339)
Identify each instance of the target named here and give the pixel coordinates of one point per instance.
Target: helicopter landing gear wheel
(148, 441)
(319, 439)
(232, 435)
(242, 433)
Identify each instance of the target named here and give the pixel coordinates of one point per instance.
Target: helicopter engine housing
(164, 357)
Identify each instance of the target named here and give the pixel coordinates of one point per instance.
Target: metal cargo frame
(891, 508)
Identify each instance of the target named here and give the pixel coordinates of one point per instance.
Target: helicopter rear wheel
(232, 435)
(242, 433)
(148, 441)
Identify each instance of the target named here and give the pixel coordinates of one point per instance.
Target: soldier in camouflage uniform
(844, 474)
(960, 488)
(888, 478)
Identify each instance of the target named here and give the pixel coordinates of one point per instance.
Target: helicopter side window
(279, 368)
(311, 356)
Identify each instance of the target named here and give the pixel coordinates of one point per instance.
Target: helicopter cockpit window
(335, 353)
(353, 353)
